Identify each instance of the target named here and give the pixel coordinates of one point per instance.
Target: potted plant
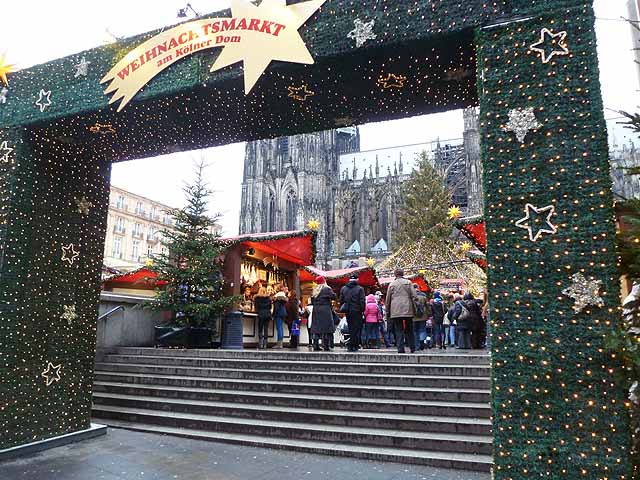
(191, 273)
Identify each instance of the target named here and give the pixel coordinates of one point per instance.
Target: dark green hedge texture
(558, 412)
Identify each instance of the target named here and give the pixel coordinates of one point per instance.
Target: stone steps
(430, 409)
(450, 408)
(386, 380)
(451, 460)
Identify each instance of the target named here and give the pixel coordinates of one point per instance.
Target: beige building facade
(134, 227)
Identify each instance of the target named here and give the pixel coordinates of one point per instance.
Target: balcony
(152, 239)
(138, 234)
(119, 230)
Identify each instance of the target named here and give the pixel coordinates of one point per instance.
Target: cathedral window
(292, 206)
(272, 214)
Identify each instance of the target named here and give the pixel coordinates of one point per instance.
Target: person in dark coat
(323, 325)
(293, 318)
(280, 314)
(262, 302)
(400, 309)
(468, 317)
(438, 312)
(352, 303)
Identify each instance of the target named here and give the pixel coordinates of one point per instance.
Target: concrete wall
(131, 327)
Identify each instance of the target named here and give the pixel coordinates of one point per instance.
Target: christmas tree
(424, 205)
(193, 266)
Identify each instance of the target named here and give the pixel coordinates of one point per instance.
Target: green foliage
(424, 205)
(193, 268)
(629, 239)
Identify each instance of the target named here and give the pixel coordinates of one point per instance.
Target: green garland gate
(558, 412)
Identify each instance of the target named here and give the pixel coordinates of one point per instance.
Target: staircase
(428, 409)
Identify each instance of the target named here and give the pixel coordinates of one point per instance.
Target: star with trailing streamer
(257, 50)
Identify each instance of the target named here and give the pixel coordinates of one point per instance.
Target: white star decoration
(3, 95)
(52, 373)
(44, 100)
(532, 221)
(521, 121)
(362, 32)
(550, 45)
(70, 254)
(84, 206)
(69, 313)
(584, 292)
(4, 147)
(82, 68)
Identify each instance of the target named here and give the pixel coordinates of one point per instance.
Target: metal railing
(110, 312)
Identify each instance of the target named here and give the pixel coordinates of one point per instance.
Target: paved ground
(125, 455)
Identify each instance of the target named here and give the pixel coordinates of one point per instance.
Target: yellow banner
(253, 35)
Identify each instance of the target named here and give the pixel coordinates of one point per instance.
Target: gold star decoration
(148, 262)
(313, 224)
(392, 81)
(5, 150)
(5, 69)
(105, 129)
(84, 206)
(550, 45)
(300, 93)
(70, 254)
(584, 292)
(371, 262)
(69, 313)
(454, 213)
(533, 221)
(257, 50)
(465, 247)
(52, 373)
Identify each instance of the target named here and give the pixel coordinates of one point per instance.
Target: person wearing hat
(401, 301)
(423, 312)
(323, 325)
(352, 303)
(279, 314)
(438, 312)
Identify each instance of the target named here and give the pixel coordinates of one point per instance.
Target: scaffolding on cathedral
(437, 261)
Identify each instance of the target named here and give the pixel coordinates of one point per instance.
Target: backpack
(465, 314)
(420, 309)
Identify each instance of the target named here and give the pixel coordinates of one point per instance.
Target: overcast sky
(35, 31)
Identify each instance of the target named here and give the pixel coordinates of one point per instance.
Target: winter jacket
(372, 311)
(424, 301)
(474, 320)
(293, 310)
(401, 298)
(263, 307)
(438, 311)
(280, 305)
(352, 295)
(322, 311)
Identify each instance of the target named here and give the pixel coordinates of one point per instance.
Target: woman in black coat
(323, 325)
(263, 305)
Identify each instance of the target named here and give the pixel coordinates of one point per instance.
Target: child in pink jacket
(372, 316)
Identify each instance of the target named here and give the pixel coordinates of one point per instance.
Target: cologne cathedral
(355, 195)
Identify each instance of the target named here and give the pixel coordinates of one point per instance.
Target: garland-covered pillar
(558, 411)
(54, 198)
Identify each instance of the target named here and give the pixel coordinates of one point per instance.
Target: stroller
(343, 333)
(429, 341)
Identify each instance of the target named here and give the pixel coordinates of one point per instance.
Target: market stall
(270, 260)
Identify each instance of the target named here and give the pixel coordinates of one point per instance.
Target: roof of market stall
(297, 247)
(366, 275)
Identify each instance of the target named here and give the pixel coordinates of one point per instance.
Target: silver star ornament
(84, 206)
(584, 292)
(5, 151)
(521, 122)
(69, 313)
(3, 95)
(44, 100)
(362, 32)
(82, 68)
(533, 221)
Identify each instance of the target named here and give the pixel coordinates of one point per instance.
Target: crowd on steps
(405, 318)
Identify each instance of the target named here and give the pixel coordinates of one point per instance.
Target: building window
(120, 202)
(271, 227)
(139, 208)
(164, 250)
(283, 146)
(117, 248)
(149, 251)
(120, 225)
(292, 206)
(154, 213)
(135, 253)
(137, 230)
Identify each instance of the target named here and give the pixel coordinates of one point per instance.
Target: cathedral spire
(401, 167)
(377, 167)
(370, 171)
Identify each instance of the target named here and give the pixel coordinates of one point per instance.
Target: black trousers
(263, 327)
(404, 333)
(354, 321)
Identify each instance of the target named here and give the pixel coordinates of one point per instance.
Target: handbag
(465, 314)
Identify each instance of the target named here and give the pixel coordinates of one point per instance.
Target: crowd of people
(405, 318)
